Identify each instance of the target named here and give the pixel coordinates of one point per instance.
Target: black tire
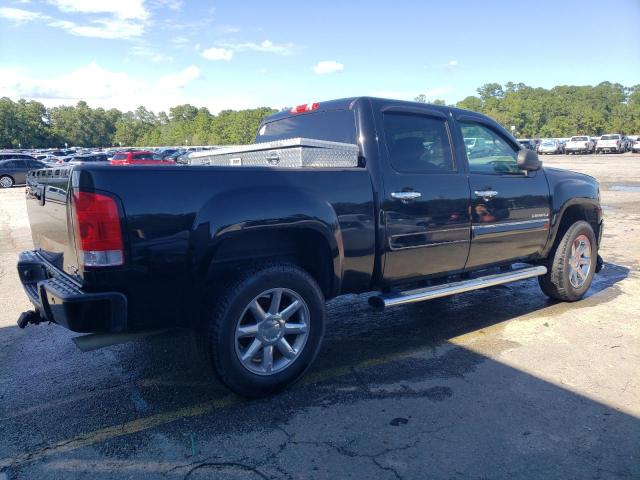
(555, 284)
(227, 311)
(6, 181)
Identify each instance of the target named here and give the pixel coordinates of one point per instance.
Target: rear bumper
(60, 300)
(577, 149)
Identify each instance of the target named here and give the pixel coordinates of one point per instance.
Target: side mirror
(528, 160)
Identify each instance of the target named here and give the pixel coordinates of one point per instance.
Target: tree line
(534, 112)
(29, 124)
(561, 111)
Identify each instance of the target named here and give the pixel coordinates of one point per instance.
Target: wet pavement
(500, 383)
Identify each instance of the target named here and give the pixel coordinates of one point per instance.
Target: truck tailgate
(47, 196)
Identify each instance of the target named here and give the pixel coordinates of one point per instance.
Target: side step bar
(437, 291)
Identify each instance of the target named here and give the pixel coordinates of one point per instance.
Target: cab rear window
(333, 125)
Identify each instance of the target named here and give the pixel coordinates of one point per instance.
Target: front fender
(567, 190)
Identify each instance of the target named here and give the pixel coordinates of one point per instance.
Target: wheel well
(304, 247)
(575, 213)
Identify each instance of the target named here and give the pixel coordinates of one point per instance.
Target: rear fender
(232, 213)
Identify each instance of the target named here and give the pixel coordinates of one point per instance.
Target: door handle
(486, 193)
(405, 197)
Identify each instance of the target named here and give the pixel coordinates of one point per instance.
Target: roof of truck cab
(376, 102)
(349, 103)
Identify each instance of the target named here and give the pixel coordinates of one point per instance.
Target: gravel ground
(500, 383)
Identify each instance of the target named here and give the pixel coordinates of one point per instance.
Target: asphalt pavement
(500, 383)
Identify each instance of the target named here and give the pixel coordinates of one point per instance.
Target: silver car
(550, 146)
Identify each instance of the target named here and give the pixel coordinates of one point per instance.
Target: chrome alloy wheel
(580, 261)
(6, 182)
(272, 331)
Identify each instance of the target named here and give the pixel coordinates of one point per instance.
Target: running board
(422, 294)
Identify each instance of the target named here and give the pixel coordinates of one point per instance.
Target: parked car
(16, 155)
(168, 153)
(636, 145)
(14, 171)
(89, 157)
(528, 144)
(627, 143)
(248, 255)
(581, 144)
(550, 146)
(139, 157)
(610, 143)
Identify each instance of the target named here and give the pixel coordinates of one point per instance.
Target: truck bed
(173, 217)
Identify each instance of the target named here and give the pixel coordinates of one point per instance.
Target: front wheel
(6, 181)
(265, 329)
(572, 264)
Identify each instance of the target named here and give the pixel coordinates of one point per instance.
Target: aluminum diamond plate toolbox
(289, 153)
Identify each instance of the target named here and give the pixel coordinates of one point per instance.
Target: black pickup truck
(441, 201)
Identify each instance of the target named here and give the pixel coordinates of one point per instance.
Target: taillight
(97, 230)
(307, 107)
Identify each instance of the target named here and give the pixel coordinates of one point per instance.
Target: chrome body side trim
(511, 227)
(429, 238)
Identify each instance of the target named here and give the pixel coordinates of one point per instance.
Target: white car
(611, 142)
(580, 144)
(635, 148)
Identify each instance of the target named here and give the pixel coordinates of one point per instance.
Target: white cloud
(19, 15)
(175, 5)
(174, 81)
(150, 53)
(124, 20)
(215, 53)
(123, 9)
(100, 87)
(328, 66)
(266, 46)
(101, 28)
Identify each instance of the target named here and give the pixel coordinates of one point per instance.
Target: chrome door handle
(486, 193)
(405, 196)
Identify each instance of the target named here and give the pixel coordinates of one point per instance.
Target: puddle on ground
(625, 188)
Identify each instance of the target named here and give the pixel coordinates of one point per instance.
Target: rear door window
(418, 143)
(15, 164)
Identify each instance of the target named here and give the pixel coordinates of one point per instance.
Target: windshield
(549, 144)
(579, 139)
(610, 137)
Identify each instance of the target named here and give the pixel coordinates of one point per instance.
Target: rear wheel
(6, 181)
(572, 264)
(265, 329)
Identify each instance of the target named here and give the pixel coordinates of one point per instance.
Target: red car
(139, 157)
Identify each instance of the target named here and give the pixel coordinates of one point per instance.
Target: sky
(245, 54)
